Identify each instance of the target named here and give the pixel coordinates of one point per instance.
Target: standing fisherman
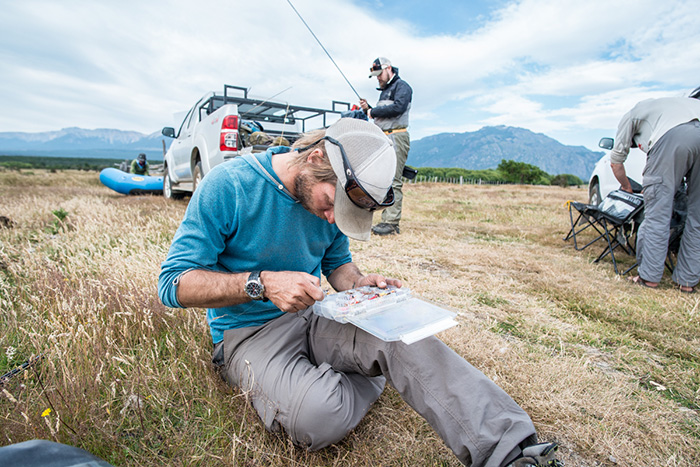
(391, 115)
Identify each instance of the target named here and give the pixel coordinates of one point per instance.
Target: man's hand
(291, 291)
(364, 105)
(377, 280)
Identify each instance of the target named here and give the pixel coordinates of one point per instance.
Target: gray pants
(674, 156)
(317, 379)
(402, 143)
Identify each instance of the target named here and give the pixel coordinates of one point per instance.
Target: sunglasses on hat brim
(377, 67)
(353, 188)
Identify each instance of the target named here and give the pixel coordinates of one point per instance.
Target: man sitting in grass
(257, 234)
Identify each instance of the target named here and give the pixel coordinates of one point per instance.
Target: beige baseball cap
(372, 161)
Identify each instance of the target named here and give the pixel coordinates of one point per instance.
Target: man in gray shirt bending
(668, 131)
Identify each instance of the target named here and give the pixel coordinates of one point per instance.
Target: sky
(567, 68)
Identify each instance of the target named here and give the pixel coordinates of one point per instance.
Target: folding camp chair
(615, 221)
(587, 217)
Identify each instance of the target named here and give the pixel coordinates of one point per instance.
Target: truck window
(192, 121)
(189, 122)
(182, 125)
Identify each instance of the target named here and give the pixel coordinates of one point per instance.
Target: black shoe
(542, 454)
(385, 229)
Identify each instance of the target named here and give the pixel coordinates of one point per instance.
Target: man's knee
(324, 416)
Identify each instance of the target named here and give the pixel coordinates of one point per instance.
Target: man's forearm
(348, 276)
(345, 277)
(289, 291)
(211, 289)
(621, 176)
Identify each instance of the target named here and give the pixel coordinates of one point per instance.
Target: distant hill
(78, 142)
(484, 149)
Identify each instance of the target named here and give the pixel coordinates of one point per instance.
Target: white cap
(378, 65)
(372, 158)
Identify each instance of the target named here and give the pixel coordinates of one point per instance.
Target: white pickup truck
(217, 128)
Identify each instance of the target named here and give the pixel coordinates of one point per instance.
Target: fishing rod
(10, 374)
(324, 49)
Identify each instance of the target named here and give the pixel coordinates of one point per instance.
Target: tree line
(55, 163)
(508, 171)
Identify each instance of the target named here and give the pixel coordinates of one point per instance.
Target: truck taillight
(229, 134)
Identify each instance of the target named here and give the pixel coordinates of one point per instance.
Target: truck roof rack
(268, 111)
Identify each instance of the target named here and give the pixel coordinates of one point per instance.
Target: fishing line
(265, 101)
(324, 49)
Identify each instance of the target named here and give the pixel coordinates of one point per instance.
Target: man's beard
(303, 183)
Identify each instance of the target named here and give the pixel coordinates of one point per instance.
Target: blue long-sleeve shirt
(239, 220)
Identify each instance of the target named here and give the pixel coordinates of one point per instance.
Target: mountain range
(485, 148)
(482, 149)
(78, 142)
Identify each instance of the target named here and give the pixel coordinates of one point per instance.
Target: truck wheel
(168, 187)
(196, 176)
(594, 193)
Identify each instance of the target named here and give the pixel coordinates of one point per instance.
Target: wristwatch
(254, 287)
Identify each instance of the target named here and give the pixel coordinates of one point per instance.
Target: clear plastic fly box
(390, 314)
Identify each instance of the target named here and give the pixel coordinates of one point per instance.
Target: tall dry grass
(608, 369)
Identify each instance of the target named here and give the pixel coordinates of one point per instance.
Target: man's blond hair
(322, 172)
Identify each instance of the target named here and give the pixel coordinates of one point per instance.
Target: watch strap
(254, 276)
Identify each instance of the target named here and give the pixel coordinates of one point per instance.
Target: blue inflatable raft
(131, 184)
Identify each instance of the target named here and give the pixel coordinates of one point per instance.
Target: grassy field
(609, 370)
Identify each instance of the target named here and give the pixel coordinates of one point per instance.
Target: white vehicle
(603, 180)
(217, 127)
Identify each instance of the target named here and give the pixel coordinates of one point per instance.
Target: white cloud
(563, 68)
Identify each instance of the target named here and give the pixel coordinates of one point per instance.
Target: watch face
(254, 289)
